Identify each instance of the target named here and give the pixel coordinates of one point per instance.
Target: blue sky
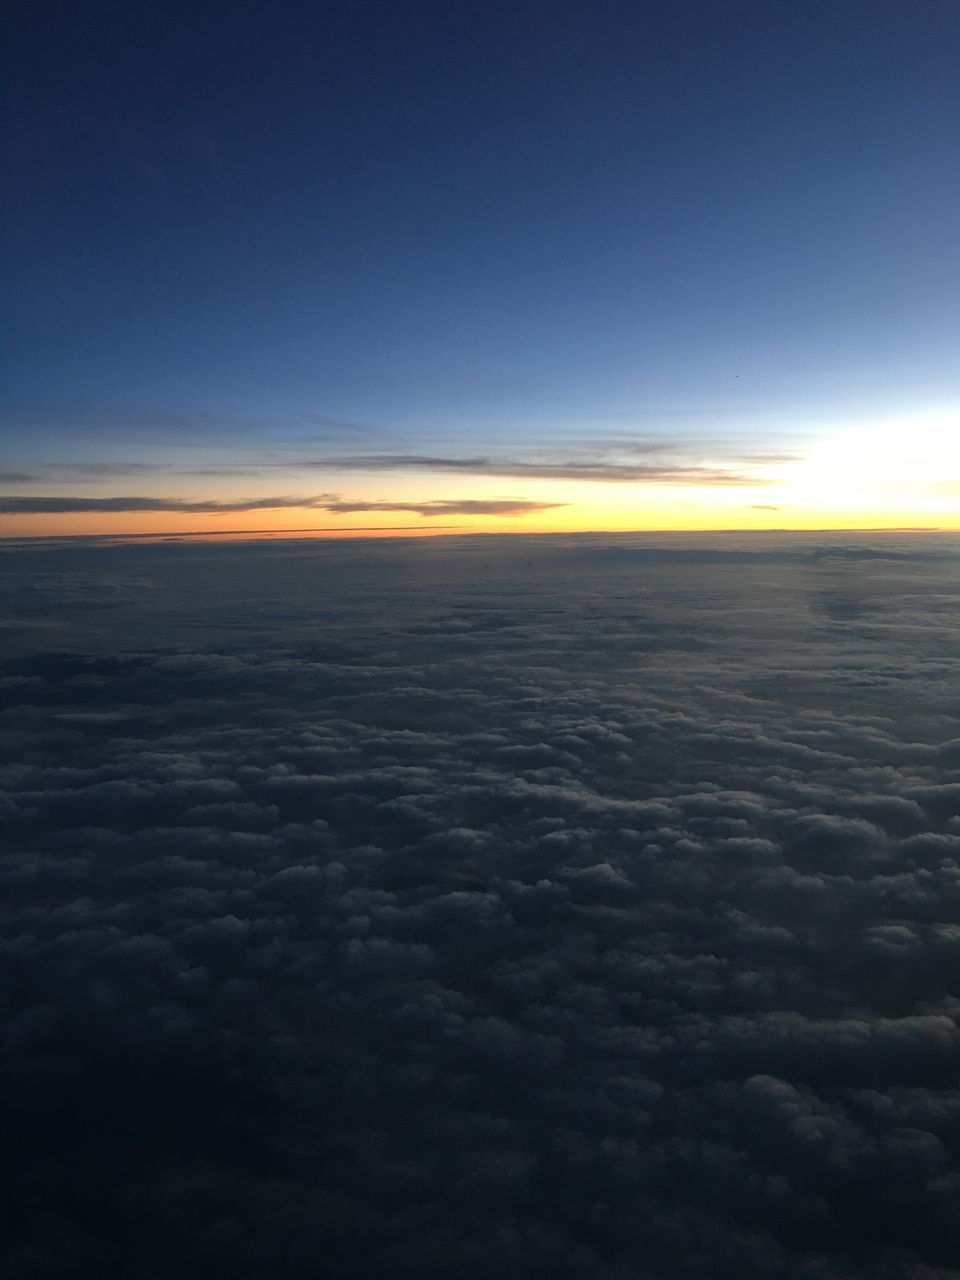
(251, 227)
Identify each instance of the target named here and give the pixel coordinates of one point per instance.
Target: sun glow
(904, 466)
(902, 472)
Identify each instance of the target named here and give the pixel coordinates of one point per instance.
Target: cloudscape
(501, 907)
(479, 666)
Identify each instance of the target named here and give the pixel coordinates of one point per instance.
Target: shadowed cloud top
(525, 907)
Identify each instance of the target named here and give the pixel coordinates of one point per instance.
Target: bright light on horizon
(899, 472)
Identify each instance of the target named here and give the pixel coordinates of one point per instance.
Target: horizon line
(384, 532)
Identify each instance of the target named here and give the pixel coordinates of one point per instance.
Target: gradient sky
(481, 266)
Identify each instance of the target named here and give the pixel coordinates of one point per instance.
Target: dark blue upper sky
(474, 222)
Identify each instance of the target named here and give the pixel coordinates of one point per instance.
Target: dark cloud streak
(55, 505)
(461, 507)
(51, 505)
(575, 469)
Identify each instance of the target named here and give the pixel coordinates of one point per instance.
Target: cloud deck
(582, 907)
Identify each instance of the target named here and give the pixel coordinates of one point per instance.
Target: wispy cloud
(450, 507)
(108, 470)
(72, 472)
(613, 472)
(51, 505)
(652, 459)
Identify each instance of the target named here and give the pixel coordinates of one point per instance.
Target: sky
(460, 268)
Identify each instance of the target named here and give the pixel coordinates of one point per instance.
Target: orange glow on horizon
(892, 475)
(672, 517)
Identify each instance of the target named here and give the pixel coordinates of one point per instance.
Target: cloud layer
(579, 908)
(52, 505)
(606, 471)
(451, 507)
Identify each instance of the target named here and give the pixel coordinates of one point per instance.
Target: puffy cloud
(419, 911)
